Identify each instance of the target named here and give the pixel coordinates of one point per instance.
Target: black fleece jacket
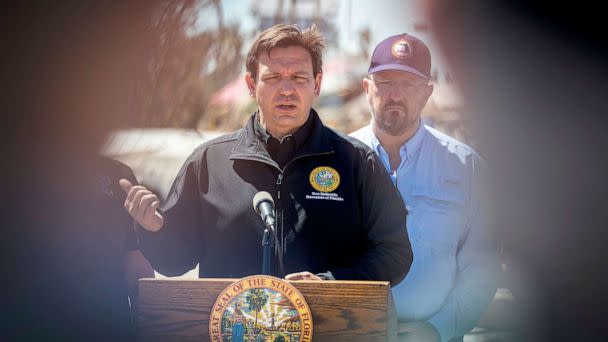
(357, 231)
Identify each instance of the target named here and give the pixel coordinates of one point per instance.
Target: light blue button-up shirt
(453, 276)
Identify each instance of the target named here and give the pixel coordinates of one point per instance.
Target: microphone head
(260, 197)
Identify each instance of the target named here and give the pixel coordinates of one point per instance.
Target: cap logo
(401, 49)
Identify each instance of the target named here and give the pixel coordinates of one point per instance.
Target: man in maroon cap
(453, 276)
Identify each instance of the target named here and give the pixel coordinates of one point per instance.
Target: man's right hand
(141, 204)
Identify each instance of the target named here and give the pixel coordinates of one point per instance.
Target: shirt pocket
(437, 218)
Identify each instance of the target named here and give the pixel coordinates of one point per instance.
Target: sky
(383, 17)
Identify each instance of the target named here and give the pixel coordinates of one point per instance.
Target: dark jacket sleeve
(175, 248)
(388, 256)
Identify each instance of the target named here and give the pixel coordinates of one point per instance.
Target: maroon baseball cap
(402, 52)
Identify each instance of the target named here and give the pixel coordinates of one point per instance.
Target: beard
(393, 121)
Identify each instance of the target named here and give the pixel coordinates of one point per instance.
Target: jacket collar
(300, 136)
(250, 147)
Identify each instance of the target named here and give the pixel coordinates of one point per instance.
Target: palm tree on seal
(256, 298)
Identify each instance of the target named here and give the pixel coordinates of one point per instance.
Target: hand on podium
(141, 204)
(302, 276)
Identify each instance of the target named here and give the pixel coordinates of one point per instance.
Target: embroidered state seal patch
(324, 179)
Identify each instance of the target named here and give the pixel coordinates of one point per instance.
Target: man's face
(396, 99)
(284, 89)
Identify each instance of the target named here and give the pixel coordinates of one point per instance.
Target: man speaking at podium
(338, 216)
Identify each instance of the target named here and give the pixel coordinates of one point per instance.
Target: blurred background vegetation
(195, 77)
(193, 87)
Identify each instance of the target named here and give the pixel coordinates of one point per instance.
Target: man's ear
(365, 83)
(318, 80)
(250, 84)
(428, 91)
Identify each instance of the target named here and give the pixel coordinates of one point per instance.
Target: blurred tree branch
(186, 67)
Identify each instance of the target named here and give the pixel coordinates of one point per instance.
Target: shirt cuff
(326, 276)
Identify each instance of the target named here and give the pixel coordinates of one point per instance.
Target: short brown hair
(283, 35)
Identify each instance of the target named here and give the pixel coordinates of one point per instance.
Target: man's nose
(286, 88)
(395, 93)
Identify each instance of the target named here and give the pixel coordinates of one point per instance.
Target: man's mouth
(395, 108)
(286, 107)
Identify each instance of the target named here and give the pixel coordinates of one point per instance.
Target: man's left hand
(302, 276)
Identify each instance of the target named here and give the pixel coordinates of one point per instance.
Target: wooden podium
(179, 309)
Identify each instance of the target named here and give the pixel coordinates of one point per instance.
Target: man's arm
(135, 265)
(389, 253)
(171, 241)
(478, 268)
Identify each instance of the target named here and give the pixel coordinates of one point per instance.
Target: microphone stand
(264, 206)
(266, 243)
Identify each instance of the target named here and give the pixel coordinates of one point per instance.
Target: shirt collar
(300, 136)
(407, 150)
(412, 146)
(374, 140)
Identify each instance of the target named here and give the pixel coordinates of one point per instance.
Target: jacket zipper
(280, 247)
(279, 206)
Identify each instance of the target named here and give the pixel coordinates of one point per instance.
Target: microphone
(263, 204)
